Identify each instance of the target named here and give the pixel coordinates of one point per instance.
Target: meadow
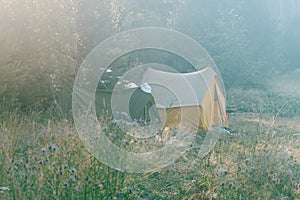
(255, 44)
(42, 157)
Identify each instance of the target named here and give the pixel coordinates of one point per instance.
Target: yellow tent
(195, 100)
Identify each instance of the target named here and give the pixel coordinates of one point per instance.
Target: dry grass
(259, 159)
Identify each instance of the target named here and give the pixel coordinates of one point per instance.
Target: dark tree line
(44, 42)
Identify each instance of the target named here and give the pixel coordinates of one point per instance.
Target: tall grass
(42, 159)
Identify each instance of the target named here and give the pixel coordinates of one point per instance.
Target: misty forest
(255, 45)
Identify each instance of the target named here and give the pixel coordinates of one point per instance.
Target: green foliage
(39, 49)
(259, 101)
(44, 43)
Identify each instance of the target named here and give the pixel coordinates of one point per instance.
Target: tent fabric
(199, 101)
(190, 88)
(194, 100)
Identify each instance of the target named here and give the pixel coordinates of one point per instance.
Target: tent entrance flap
(141, 104)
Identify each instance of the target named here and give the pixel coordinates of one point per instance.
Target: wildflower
(221, 171)
(65, 166)
(76, 188)
(105, 128)
(42, 162)
(118, 193)
(101, 169)
(223, 183)
(43, 150)
(66, 184)
(270, 176)
(4, 188)
(73, 179)
(114, 122)
(274, 179)
(215, 196)
(100, 186)
(53, 148)
(53, 164)
(60, 171)
(117, 169)
(130, 188)
(73, 170)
